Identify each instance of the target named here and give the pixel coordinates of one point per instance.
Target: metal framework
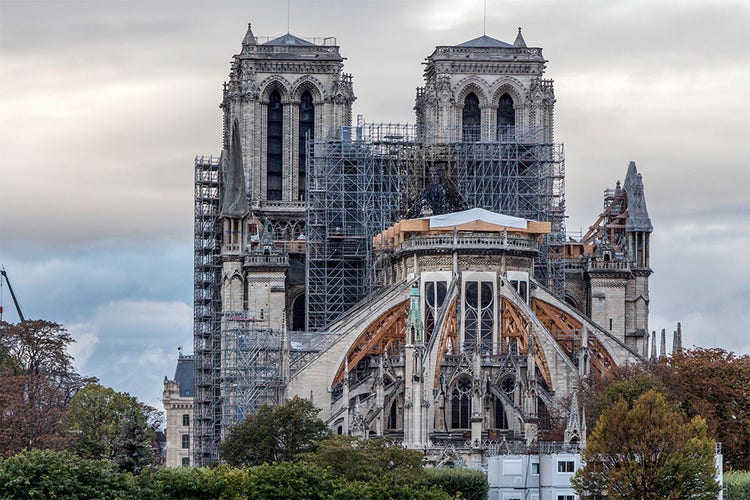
(207, 310)
(365, 178)
(257, 362)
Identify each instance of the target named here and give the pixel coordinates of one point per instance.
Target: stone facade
(507, 81)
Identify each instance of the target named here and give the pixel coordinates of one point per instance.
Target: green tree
(274, 434)
(355, 459)
(54, 474)
(114, 426)
(648, 451)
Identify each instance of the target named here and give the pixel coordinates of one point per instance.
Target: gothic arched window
(506, 118)
(434, 295)
(501, 418)
(472, 118)
(461, 404)
(275, 139)
(478, 313)
(298, 313)
(395, 419)
(306, 129)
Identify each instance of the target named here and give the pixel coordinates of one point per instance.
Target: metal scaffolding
(257, 362)
(207, 310)
(367, 177)
(356, 187)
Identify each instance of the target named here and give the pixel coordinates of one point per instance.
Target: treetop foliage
(648, 450)
(275, 434)
(114, 426)
(37, 380)
(711, 383)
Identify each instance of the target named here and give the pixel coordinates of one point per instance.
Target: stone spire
(574, 431)
(638, 219)
(663, 349)
(234, 202)
(653, 345)
(677, 340)
(520, 42)
(249, 39)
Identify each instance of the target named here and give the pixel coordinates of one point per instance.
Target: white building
(178, 404)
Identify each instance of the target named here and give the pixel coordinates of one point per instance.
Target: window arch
(298, 313)
(275, 138)
(395, 420)
(506, 118)
(501, 418)
(461, 404)
(472, 118)
(306, 126)
(479, 299)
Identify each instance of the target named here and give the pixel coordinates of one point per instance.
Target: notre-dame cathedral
(414, 282)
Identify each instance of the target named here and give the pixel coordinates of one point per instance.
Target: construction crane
(3, 274)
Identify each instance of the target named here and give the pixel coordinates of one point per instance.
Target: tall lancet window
(472, 118)
(306, 130)
(506, 118)
(274, 164)
(461, 404)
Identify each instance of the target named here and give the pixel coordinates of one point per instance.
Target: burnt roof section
(183, 375)
(638, 219)
(439, 197)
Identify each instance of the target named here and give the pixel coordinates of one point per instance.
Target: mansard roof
(485, 41)
(183, 375)
(289, 39)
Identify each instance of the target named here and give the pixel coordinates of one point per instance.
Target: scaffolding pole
(206, 310)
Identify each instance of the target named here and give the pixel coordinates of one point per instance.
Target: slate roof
(183, 375)
(485, 41)
(289, 39)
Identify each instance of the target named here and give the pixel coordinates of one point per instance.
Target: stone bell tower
(281, 92)
(486, 90)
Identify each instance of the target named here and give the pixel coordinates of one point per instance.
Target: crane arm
(12, 294)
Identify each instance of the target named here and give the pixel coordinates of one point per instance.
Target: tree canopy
(274, 434)
(711, 383)
(715, 384)
(37, 380)
(114, 426)
(648, 450)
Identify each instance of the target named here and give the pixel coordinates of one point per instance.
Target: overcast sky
(103, 106)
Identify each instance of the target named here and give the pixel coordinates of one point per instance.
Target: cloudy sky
(104, 104)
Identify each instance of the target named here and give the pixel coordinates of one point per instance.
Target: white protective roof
(476, 214)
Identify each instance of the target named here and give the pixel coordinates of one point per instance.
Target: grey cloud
(103, 106)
